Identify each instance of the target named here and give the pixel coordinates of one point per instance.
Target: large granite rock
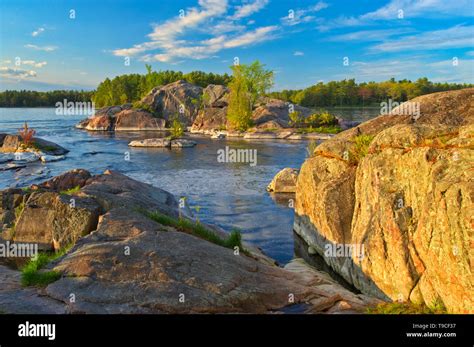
(215, 95)
(122, 118)
(406, 202)
(127, 120)
(179, 98)
(55, 220)
(210, 119)
(213, 116)
(274, 113)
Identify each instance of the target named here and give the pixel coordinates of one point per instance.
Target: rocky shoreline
(122, 261)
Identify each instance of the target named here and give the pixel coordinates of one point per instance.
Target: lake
(231, 195)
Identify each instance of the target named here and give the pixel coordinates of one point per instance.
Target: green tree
(239, 111)
(249, 82)
(258, 80)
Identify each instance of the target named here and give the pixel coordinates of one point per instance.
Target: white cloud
(256, 36)
(409, 9)
(210, 19)
(304, 15)
(33, 63)
(41, 48)
(458, 36)
(421, 8)
(13, 73)
(249, 9)
(226, 27)
(370, 35)
(298, 53)
(37, 32)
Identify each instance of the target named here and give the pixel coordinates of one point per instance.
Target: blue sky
(304, 42)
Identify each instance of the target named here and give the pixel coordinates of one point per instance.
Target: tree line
(130, 88)
(119, 90)
(29, 98)
(350, 93)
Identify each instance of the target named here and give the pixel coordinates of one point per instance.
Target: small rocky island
(18, 150)
(204, 111)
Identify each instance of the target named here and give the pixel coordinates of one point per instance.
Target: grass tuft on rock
(31, 274)
(195, 228)
(360, 148)
(71, 191)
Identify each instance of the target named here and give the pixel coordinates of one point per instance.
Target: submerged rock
(163, 143)
(405, 199)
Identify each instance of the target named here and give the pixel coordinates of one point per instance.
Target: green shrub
(360, 148)
(321, 119)
(177, 128)
(295, 118)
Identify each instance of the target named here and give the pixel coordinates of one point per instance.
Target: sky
(66, 44)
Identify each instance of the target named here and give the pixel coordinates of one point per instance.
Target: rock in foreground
(133, 264)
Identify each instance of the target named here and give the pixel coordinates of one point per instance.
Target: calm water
(229, 195)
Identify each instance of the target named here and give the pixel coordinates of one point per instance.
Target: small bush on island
(320, 119)
(295, 118)
(27, 135)
(176, 129)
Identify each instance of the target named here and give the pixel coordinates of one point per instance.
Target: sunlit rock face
(408, 202)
